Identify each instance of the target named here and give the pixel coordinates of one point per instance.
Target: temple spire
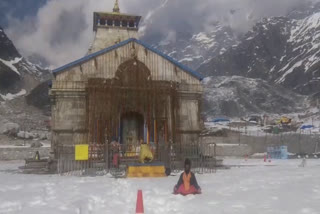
(116, 8)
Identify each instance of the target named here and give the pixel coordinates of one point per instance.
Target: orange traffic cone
(139, 207)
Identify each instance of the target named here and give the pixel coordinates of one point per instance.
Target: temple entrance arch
(133, 73)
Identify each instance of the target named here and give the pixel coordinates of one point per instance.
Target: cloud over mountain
(61, 31)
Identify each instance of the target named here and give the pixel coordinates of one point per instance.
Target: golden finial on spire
(116, 8)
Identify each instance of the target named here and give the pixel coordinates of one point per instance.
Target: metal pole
(300, 142)
(239, 135)
(316, 149)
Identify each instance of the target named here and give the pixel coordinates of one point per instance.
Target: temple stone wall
(189, 119)
(189, 115)
(69, 124)
(108, 36)
(69, 114)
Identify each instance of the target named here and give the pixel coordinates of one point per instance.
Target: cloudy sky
(59, 31)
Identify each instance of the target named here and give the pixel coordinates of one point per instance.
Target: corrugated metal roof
(106, 50)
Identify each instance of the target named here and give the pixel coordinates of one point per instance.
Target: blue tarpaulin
(307, 127)
(218, 120)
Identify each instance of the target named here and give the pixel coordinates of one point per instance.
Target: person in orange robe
(187, 183)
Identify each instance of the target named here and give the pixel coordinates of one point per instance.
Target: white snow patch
(272, 69)
(312, 60)
(10, 96)
(222, 51)
(198, 57)
(186, 59)
(203, 38)
(304, 28)
(282, 58)
(173, 52)
(11, 63)
(264, 27)
(296, 65)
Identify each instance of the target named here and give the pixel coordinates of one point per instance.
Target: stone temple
(123, 90)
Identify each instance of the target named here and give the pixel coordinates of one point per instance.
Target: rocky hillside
(281, 50)
(18, 78)
(236, 96)
(196, 48)
(17, 75)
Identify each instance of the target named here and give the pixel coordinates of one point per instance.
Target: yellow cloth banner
(82, 152)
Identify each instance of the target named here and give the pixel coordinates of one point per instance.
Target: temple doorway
(132, 128)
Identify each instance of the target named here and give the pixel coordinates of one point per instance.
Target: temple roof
(116, 8)
(106, 50)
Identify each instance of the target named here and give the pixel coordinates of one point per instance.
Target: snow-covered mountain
(196, 48)
(281, 50)
(18, 78)
(236, 96)
(17, 75)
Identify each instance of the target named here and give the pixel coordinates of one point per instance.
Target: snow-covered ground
(280, 189)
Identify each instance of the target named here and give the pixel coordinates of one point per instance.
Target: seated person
(37, 156)
(187, 183)
(145, 153)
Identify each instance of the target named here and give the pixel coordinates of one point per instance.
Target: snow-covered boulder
(9, 128)
(36, 145)
(35, 135)
(26, 135)
(19, 144)
(43, 136)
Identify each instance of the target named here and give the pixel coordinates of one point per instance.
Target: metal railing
(203, 157)
(67, 165)
(114, 160)
(298, 142)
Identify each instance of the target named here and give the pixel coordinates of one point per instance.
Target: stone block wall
(22, 153)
